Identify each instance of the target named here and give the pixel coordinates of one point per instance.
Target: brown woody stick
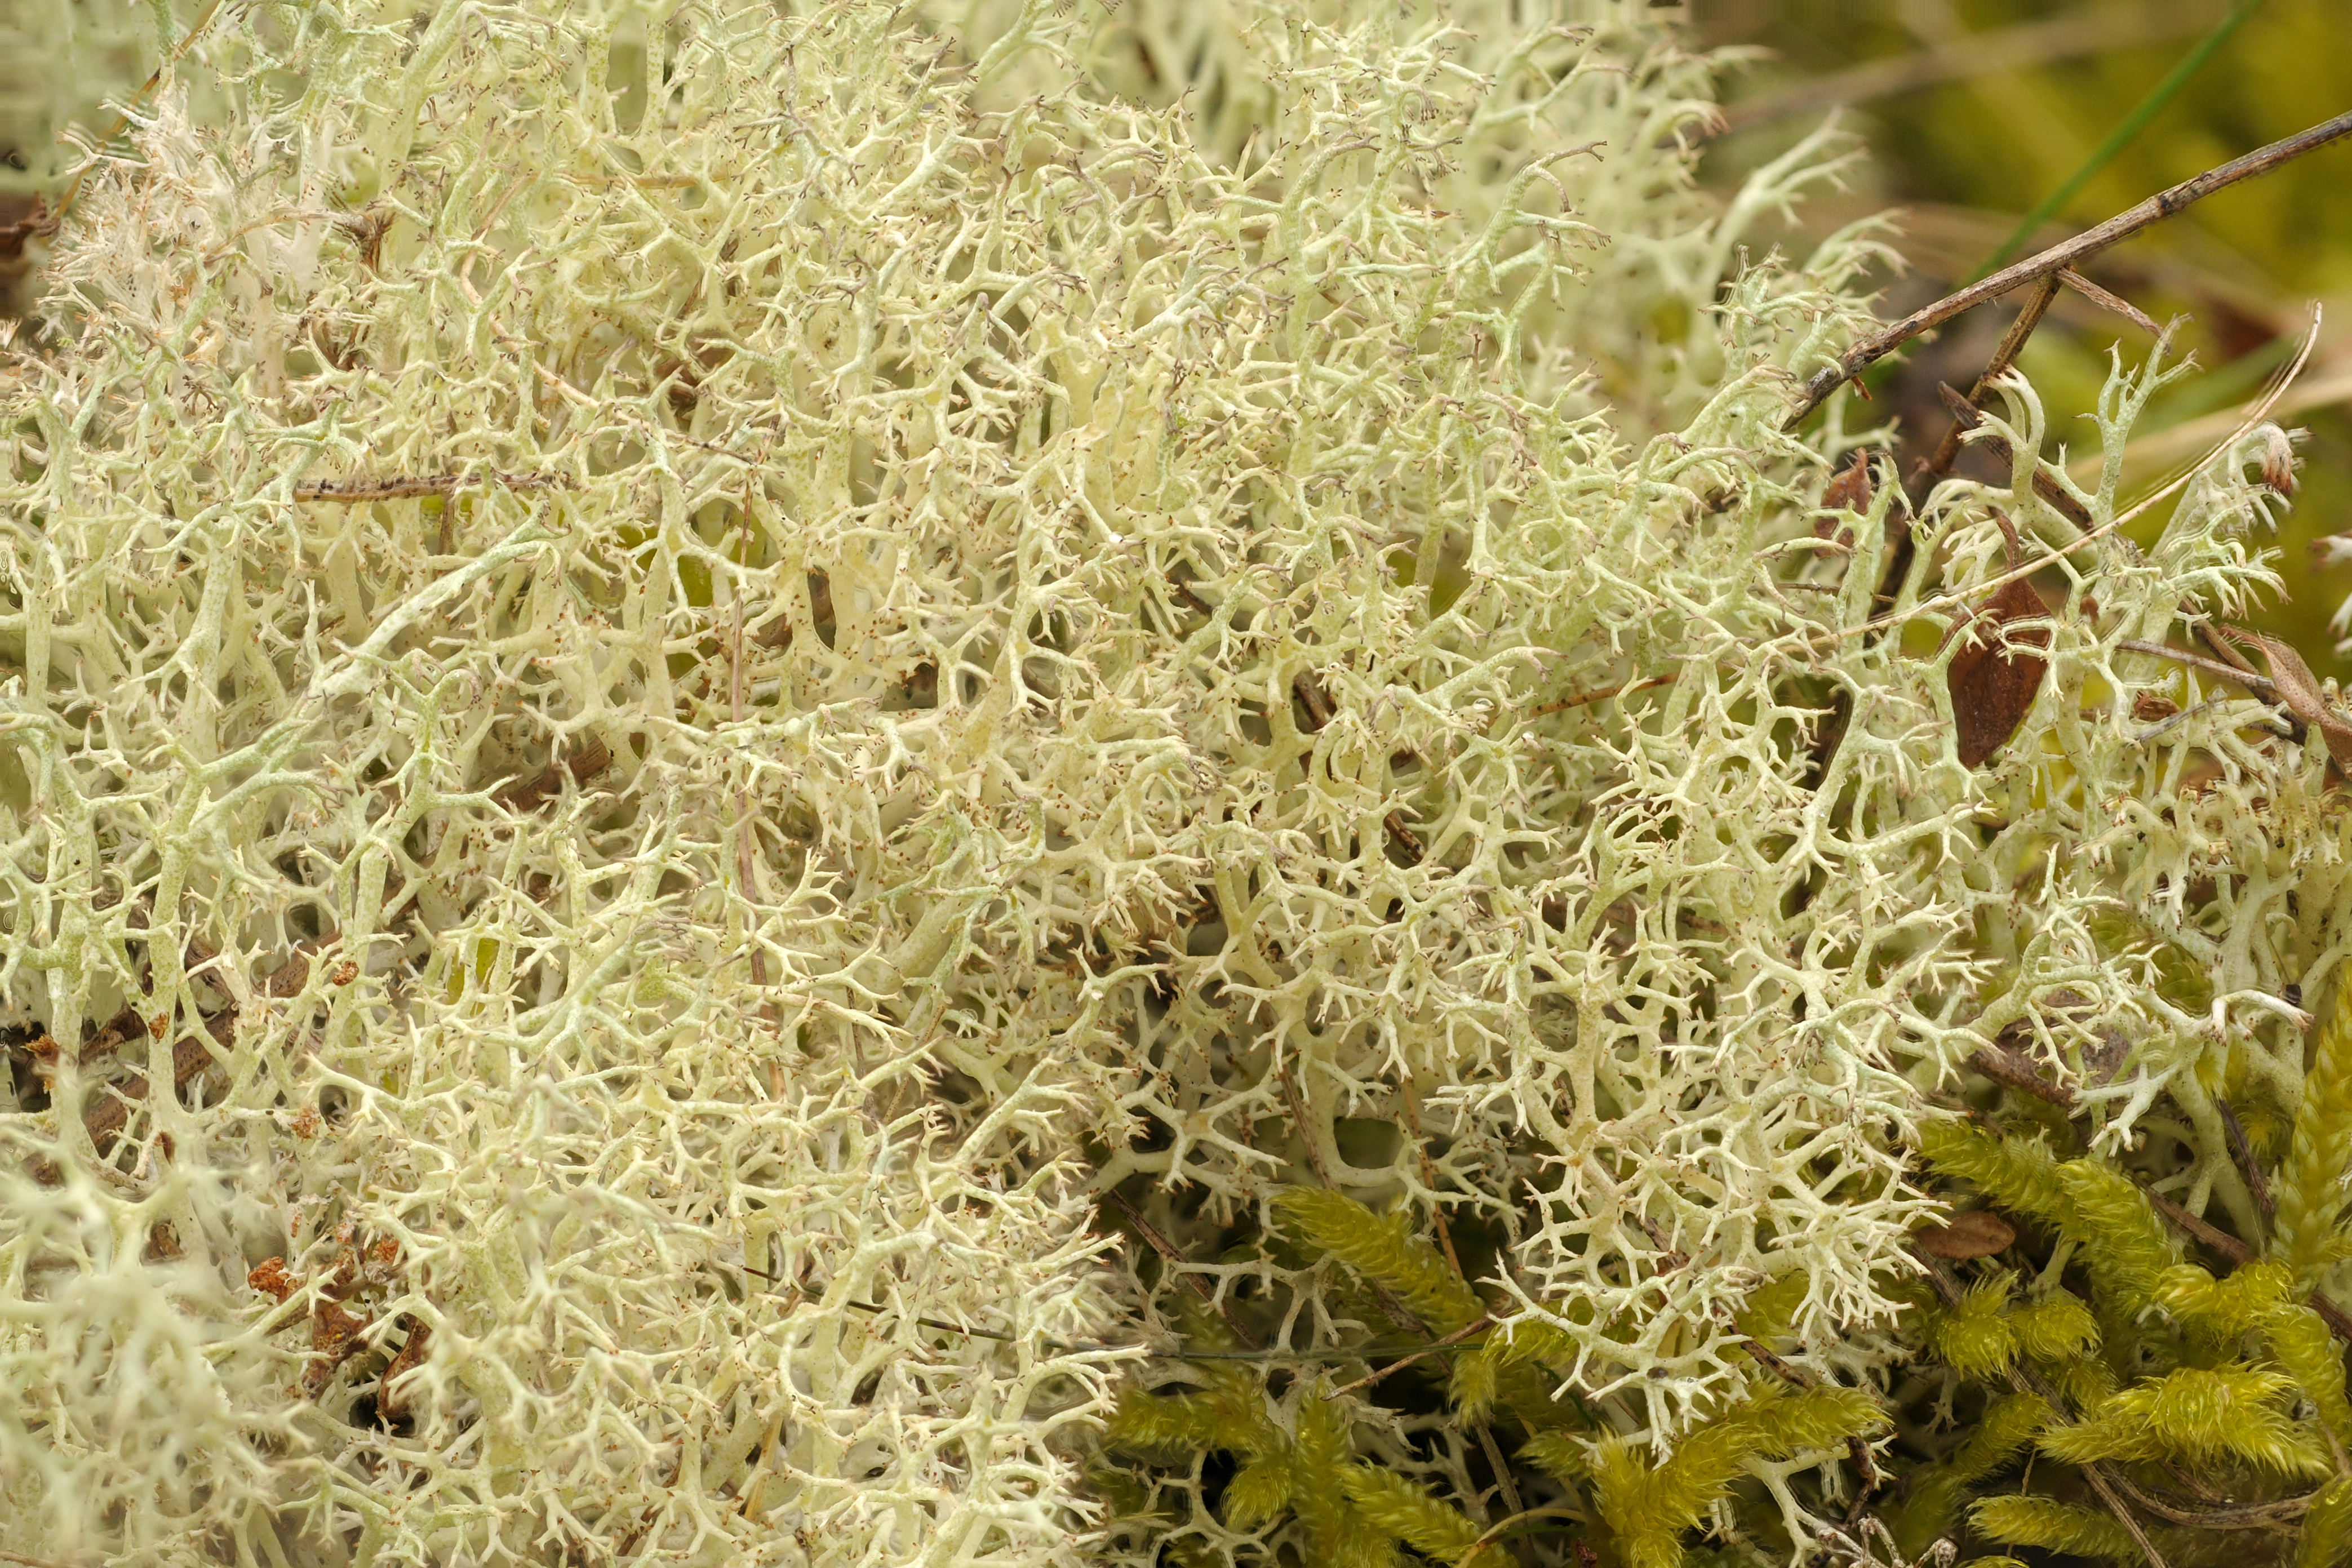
(1177, 1262)
(1429, 1176)
(1484, 1320)
(2264, 690)
(402, 486)
(1904, 549)
(2255, 1181)
(1966, 418)
(1600, 694)
(2083, 246)
(581, 765)
(2115, 303)
(1948, 451)
(2006, 1068)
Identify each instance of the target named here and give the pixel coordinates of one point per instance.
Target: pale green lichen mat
(692, 668)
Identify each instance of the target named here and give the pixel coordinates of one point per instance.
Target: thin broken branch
(1598, 695)
(2090, 242)
(1174, 1257)
(2116, 304)
(1948, 451)
(1484, 1320)
(2006, 1068)
(2256, 1182)
(581, 765)
(1966, 419)
(404, 486)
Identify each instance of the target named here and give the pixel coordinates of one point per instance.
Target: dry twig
(2122, 227)
(2115, 304)
(2010, 1070)
(1949, 450)
(1175, 1258)
(2256, 1182)
(1484, 1320)
(404, 486)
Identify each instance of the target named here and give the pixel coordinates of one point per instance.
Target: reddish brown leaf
(591, 759)
(393, 1402)
(334, 1337)
(1993, 686)
(2301, 693)
(1851, 491)
(1976, 1234)
(289, 978)
(21, 221)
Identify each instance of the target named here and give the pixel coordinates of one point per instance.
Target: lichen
(694, 668)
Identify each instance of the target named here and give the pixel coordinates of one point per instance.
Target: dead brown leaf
(391, 1401)
(2299, 690)
(1851, 491)
(1978, 1233)
(1994, 687)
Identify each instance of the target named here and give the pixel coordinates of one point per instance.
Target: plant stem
(2122, 227)
(2124, 130)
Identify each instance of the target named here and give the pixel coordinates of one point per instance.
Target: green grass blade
(2126, 129)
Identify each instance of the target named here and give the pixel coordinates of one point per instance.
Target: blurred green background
(1971, 110)
(1974, 110)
